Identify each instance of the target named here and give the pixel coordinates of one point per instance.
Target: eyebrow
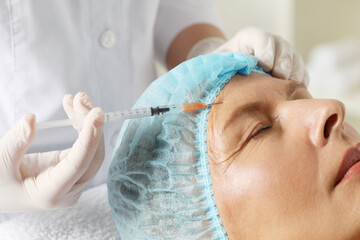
(241, 110)
(251, 107)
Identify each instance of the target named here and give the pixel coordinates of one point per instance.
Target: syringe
(132, 113)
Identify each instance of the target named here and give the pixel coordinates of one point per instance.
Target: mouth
(350, 165)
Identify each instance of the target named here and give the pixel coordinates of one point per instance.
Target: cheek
(351, 132)
(239, 181)
(234, 191)
(292, 169)
(275, 179)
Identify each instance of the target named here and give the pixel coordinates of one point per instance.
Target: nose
(331, 119)
(319, 119)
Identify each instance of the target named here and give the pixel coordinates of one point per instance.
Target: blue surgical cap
(159, 179)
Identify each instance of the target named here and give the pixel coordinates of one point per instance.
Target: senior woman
(269, 162)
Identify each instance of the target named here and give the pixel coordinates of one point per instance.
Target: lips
(350, 165)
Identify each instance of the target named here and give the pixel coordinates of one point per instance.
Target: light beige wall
(304, 23)
(273, 15)
(318, 21)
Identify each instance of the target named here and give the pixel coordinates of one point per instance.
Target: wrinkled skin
(274, 167)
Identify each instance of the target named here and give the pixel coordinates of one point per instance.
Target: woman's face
(275, 155)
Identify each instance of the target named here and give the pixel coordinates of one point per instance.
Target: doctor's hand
(53, 179)
(275, 55)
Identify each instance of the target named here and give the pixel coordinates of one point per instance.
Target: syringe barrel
(127, 114)
(132, 113)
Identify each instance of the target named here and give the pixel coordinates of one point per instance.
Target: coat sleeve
(175, 15)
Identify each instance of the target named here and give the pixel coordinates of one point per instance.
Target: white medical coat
(105, 48)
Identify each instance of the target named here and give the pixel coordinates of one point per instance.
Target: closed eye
(260, 128)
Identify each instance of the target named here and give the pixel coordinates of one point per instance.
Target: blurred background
(304, 23)
(325, 32)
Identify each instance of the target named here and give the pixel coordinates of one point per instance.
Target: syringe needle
(197, 106)
(210, 105)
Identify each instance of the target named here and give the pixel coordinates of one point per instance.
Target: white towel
(89, 219)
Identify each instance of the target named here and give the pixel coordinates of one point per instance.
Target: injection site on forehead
(245, 94)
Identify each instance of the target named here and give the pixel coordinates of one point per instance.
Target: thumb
(264, 50)
(17, 140)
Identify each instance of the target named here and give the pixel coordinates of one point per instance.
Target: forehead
(254, 86)
(252, 94)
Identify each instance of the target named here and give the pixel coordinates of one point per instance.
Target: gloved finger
(299, 72)
(82, 105)
(65, 174)
(306, 78)
(16, 142)
(95, 163)
(298, 69)
(264, 46)
(68, 101)
(35, 163)
(72, 197)
(68, 104)
(50, 198)
(283, 59)
(253, 41)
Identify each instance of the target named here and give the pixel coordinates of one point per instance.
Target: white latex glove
(53, 179)
(275, 55)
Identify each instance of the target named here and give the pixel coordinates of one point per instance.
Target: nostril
(330, 123)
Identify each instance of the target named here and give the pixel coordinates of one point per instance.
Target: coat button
(107, 39)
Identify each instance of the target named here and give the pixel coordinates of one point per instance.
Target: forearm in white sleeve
(176, 15)
(205, 46)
